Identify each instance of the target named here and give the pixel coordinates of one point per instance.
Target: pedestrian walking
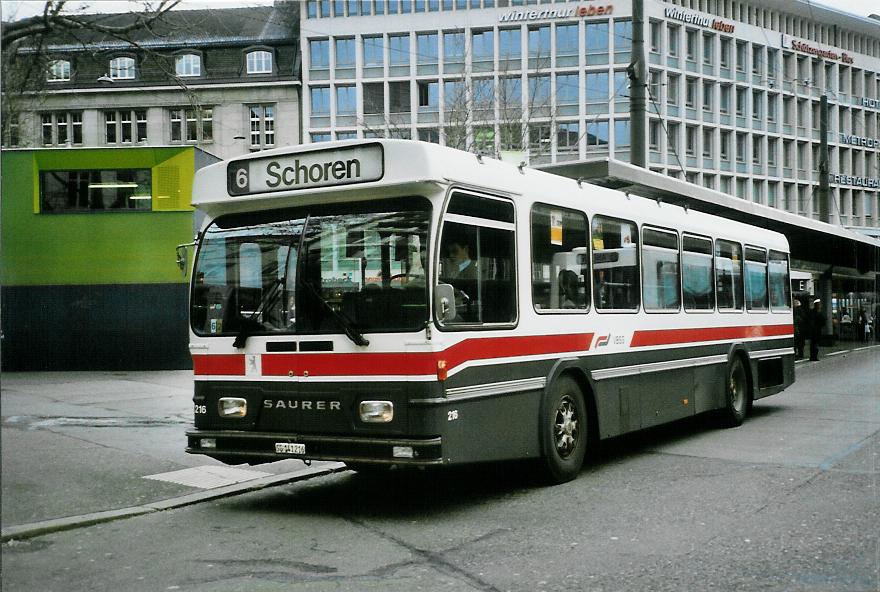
(800, 329)
(863, 325)
(815, 322)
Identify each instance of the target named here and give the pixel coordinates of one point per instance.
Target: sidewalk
(80, 448)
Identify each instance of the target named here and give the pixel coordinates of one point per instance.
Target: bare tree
(27, 56)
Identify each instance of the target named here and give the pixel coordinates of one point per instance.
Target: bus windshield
(317, 270)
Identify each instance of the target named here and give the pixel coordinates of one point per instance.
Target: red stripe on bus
(674, 336)
(214, 364)
(395, 364)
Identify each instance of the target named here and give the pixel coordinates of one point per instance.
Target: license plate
(289, 448)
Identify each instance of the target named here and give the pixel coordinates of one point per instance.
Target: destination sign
(306, 170)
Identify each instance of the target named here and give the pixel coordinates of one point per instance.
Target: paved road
(789, 501)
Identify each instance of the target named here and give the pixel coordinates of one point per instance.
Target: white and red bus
(389, 302)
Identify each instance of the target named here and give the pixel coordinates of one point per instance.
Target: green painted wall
(93, 248)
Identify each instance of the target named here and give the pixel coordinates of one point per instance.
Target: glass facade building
(734, 88)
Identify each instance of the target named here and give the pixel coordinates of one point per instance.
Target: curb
(34, 529)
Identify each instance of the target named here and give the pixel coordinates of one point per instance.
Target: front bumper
(259, 447)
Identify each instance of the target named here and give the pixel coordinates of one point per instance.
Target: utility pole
(823, 195)
(638, 84)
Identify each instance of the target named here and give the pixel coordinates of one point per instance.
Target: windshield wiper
(343, 321)
(249, 324)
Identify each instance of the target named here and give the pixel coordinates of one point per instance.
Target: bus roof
(365, 169)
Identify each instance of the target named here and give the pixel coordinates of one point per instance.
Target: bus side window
(728, 275)
(615, 264)
(660, 270)
(756, 279)
(560, 259)
(478, 260)
(780, 286)
(696, 263)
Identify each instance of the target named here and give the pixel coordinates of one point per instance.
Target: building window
(741, 56)
(259, 62)
(483, 47)
(690, 44)
(509, 44)
(426, 49)
(654, 135)
(62, 128)
(672, 32)
(539, 91)
(757, 105)
(125, 127)
(539, 42)
(622, 40)
(58, 71)
(724, 58)
(597, 42)
(12, 133)
(708, 142)
(566, 40)
(122, 68)
(320, 100)
(345, 53)
(597, 87)
(429, 134)
(672, 139)
(567, 137)
(189, 64)
(192, 125)
(672, 84)
(567, 89)
(597, 135)
(319, 54)
(621, 134)
(320, 137)
(262, 119)
(741, 148)
(95, 190)
(690, 137)
(724, 100)
(725, 145)
(453, 48)
(374, 51)
(346, 100)
(690, 97)
(708, 49)
(656, 33)
(398, 49)
(708, 95)
(539, 139)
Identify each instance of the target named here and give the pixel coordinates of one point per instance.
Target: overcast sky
(16, 9)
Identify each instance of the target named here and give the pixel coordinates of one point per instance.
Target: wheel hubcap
(566, 427)
(737, 388)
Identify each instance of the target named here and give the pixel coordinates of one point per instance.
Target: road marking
(208, 476)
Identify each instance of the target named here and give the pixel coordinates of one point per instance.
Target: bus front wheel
(563, 431)
(736, 394)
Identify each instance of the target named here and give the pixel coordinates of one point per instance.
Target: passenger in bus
(568, 289)
(461, 266)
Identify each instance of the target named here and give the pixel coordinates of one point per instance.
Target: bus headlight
(232, 407)
(376, 411)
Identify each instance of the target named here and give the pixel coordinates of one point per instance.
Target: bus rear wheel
(563, 431)
(736, 395)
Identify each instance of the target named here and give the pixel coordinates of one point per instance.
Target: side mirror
(182, 257)
(444, 303)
